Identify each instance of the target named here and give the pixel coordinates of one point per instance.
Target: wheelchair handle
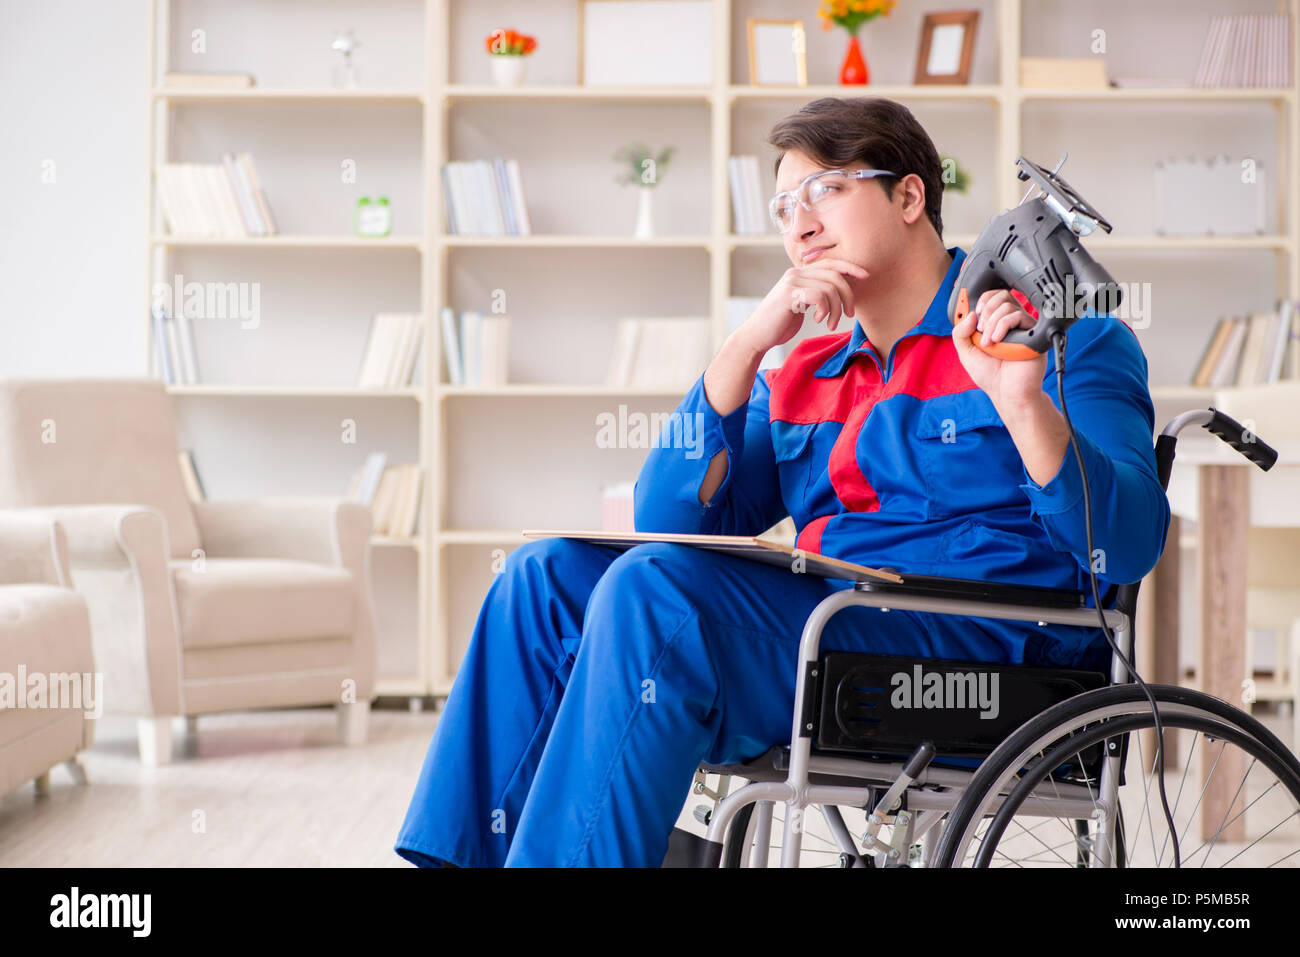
(1217, 423)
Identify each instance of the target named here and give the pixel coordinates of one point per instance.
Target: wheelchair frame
(884, 782)
(798, 792)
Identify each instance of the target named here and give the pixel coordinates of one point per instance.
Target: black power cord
(1058, 346)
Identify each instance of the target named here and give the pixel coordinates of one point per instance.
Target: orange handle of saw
(999, 350)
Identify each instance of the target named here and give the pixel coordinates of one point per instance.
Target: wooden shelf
(296, 392)
(395, 541)
(411, 243)
(557, 390)
(990, 92)
(560, 241)
(483, 536)
(1163, 94)
(584, 94)
(289, 95)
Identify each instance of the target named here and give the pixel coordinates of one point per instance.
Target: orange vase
(854, 72)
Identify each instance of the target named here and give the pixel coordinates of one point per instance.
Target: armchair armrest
(323, 530)
(117, 556)
(33, 549)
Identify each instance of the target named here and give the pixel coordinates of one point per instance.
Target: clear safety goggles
(817, 193)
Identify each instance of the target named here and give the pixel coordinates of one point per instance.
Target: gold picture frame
(947, 46)
(769, 41)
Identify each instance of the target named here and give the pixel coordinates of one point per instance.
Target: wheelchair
(1046, 783)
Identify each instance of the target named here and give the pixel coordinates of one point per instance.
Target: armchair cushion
(240, 601)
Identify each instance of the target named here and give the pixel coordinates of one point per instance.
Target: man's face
(861, 228)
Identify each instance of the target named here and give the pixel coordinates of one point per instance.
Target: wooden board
(742, 546)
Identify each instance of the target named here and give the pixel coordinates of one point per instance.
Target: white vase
(508, 70)
(645, 220)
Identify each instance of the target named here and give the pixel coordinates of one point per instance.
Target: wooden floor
(270, 788)
(274, 788)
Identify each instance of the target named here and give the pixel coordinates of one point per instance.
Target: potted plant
(507, 49)
(851, 14)
(640, 167)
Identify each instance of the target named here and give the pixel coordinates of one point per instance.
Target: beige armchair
(48, 692)
(194, 608)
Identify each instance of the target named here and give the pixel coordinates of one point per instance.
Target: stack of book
(485, 198)
(1247, 49)
(173, 343)
(1257, 349)
(477, 348)
(392, 351)
(659, 353)
(748, 206)
(220, 200)
(391, 491)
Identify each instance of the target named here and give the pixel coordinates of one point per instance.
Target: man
(596, 680)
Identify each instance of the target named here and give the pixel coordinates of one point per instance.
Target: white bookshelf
(516, 456)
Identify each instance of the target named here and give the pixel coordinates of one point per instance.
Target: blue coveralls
(597, 680)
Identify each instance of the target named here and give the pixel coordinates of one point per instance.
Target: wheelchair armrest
(936, 586)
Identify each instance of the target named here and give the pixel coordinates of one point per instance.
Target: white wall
(72, 263)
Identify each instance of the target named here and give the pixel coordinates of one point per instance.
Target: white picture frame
(645, 43)
(778, 52)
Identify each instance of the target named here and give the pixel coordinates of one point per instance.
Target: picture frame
(946, 47)
(778, 52)
(645, 43)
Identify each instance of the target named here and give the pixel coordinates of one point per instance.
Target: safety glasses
(817, 193)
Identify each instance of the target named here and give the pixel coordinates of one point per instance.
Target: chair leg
(76, 769)
(353, 719)
(42, 783)
(155, 740)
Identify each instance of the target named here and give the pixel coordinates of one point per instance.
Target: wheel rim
(1260, 825)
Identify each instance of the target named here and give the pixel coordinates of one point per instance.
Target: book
(1279, 332)
(1225, 370)
(471, 346)
(190, 477)
(243, 193)
(392, 351)
(740, 219)
(494, 350)
(451, 346)
(365, 482)
(659, 353)
(741, 546)
(1252, 349)
(1213, 350)
(161, 354)
(517, 197)
(246, 166)
(185, 337)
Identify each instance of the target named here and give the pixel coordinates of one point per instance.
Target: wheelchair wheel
(1233, 789)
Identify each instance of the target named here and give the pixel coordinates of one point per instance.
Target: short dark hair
(835, 131)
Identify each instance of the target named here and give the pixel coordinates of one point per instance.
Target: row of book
(748, 207)
(214, 200)
(392, 352)
(659, 353)
(476, 347)
(485, 198)
(1247, 49)
(173, 343)
(1256, 349)
(391, 491)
